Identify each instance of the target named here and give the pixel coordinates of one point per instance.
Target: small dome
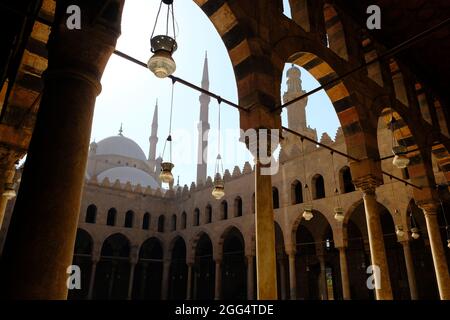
(128, 174)
(121, 146)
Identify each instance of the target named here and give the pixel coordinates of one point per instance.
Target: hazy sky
(130, 91)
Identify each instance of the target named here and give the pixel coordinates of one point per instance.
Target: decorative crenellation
(130, 188)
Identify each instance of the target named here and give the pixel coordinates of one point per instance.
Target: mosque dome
(129, 174)
(121, 146)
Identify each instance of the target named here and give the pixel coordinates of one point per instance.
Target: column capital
(367, 184)
(291, 252)
(429, 208)
(341, 248)
(95, 260)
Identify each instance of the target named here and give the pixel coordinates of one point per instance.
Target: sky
(130, 91)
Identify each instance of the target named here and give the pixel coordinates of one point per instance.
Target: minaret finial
(203, 127)
(121, 130)
(154, 135)
(205, 78)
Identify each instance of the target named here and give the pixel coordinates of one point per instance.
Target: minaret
(154, 137)
(203, 128)
(296, 111)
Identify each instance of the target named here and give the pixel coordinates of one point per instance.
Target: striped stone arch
(359, 137)
(443, 160)
(254, 71)
(416, 169)
(370, 53)
(335, 31)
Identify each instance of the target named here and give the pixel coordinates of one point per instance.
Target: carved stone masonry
(367, 184)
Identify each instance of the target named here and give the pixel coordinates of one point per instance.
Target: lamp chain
(304, 170)
(335, 180)
(156, 20)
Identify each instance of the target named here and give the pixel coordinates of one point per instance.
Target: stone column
(437, 249)
(43, 228)
(282, 279)
(410, 269)
(196, 275)
(92, 279)
(323, 278)
(250, 277)
(165, 280)
(218, 282)
(189, 282)
(344, 273)
(112, 278)
(383, 290)
(7, 172)
(143, 284)
(131, 279)
(266, 267)
(292, 276)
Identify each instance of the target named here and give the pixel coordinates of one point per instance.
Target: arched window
(296, 192)
(161, 222)
(91, 214)
(111, 218)
(224, 210)
(129, 217)
(238, 207)
(253, 203)
(275, 198)
(208, 214)
(196, 221)
(183, 220)
(318, 187)
(146, 221)
(174, 223)
(346, 183)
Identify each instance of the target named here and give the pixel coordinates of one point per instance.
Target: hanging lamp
(415, 231)
(218, 191)
(400, 152)
(338, 210)
(307, 207)
(398, 228)
(163, 46)
(166, 175)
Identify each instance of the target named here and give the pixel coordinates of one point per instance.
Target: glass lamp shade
(307, 212)
(415, 233)
(162, 63)
(219, 188)
(448, 243)
(399, 231)
(339, 214)
(401, 161)
(166, 172)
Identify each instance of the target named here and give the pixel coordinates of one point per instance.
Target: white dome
(129, 174)
(121, 146)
